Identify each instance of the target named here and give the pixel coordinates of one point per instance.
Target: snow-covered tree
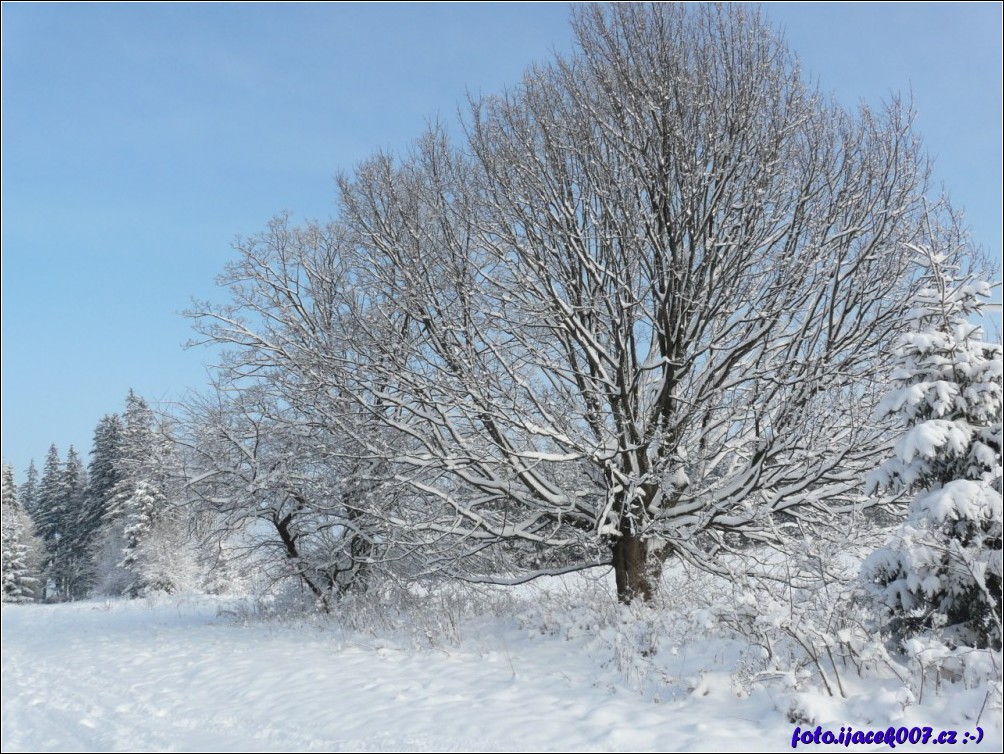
(103, 471)
(284, 493)
(74, 565)
(58, 508)
(142, 544)
(49, 510)
(8, 497)
(28, 494)
(145, 506)
(102, 475)
(942, 569)
(18, 545)
(643, 307)
(18, 583)
(49, 515)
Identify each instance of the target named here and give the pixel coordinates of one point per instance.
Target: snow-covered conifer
(28, 494)
(942, 569)
(49, 499)
(103, 473)
(142, 543)
(9, 494)
(19, 584)
(144, 506)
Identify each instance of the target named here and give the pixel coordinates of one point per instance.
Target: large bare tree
(639, 308)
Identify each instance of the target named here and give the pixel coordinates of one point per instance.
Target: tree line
(117, 527)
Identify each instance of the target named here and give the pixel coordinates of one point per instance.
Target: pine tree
(48, 514)
(138, 438)
(74, 563)
(15, 539)
(146, 511)
(9, 495)
(59, 507)
(127, 461)
(136, 461)
(49, 501)
(138, 517)
(74, 486)
(102, 476)
(28, 496)
(942, 570)
(103, 470)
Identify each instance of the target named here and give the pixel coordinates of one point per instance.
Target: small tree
(19, 584)
(942, 568)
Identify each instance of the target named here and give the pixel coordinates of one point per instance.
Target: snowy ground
(185, 674)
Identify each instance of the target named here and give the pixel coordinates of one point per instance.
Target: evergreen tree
(74, 486)
(49, 501)
(16, 541)
(102, 477)
(138, 438)
(74, 562)
(942, 570)
(59, 508)
(28, 496)
(49, 513)
(138, 515)
(127, 466)
(103, 469)
(9, 495)
(147, 508)
(136, 461)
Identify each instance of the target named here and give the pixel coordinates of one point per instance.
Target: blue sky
(138, 140)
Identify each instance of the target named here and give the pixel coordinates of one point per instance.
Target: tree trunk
(360, 551)
(636, 569)
(289, 542)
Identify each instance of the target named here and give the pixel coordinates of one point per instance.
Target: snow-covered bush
(941, 572)
(796, 602)
(667, 648)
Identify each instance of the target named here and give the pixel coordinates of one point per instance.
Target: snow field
(129, 675)
(185, 675)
